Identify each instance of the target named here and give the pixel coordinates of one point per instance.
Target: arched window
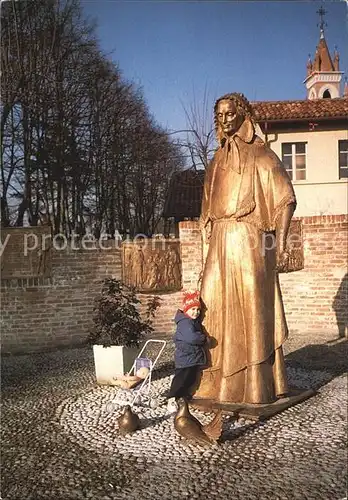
(326, 94)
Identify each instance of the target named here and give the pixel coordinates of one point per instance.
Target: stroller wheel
(110, 407)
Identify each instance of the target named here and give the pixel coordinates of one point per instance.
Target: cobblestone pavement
(60, 439)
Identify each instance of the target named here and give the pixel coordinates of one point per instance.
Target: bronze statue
(248, 202)
(191, 429)
(174, 266)
(128, 422)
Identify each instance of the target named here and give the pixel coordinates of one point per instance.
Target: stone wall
(48, 306)
(51, 305)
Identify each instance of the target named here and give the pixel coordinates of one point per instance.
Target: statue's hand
(283, 261)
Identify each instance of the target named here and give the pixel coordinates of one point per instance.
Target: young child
(189, 351)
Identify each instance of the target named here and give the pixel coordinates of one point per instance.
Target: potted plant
(118, 328)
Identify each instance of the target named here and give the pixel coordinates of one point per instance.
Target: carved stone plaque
(152, 265)
(26, 252)
(295, 246)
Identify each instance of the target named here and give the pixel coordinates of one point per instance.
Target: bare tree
(79, 146)
(199, 144)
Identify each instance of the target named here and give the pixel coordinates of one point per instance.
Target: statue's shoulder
(266, 159)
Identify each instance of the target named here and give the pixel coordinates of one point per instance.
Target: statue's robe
(246, 189)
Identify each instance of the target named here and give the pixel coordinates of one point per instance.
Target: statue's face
(228, 117)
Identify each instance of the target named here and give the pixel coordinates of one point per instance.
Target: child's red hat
(191, 299)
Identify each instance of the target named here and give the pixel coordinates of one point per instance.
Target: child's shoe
(172, 406)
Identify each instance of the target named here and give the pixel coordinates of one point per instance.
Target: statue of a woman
(248, 202)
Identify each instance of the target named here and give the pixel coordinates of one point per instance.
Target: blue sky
(175, 50)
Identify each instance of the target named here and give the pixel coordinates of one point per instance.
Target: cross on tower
(321, 12)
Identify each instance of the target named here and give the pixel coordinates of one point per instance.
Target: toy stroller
(142, 392)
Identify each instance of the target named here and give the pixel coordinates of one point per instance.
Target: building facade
(311, 136)
(311, 139)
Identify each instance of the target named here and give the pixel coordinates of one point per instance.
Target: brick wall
(54, 308)
(191, 253)
(41, 312)
(315, 298)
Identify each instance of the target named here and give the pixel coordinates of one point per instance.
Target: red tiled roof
(294, 110)
(186, 187)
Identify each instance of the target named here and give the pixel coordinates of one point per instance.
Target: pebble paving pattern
(60, 440)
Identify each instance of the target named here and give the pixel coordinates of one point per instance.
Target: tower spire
(321, 12)
(323, 74)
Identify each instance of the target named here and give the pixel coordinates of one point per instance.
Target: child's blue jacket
(189, 340)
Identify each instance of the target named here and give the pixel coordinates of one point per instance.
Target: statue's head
(230, 111)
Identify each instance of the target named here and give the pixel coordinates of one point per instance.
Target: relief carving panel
(152, 265)
(26, 252)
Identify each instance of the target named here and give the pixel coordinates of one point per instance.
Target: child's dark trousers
(184, 379)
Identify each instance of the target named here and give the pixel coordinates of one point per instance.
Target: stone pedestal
(255, 412)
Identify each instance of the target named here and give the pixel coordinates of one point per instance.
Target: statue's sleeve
(280, 192)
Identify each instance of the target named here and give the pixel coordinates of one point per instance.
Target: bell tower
(323, 73)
